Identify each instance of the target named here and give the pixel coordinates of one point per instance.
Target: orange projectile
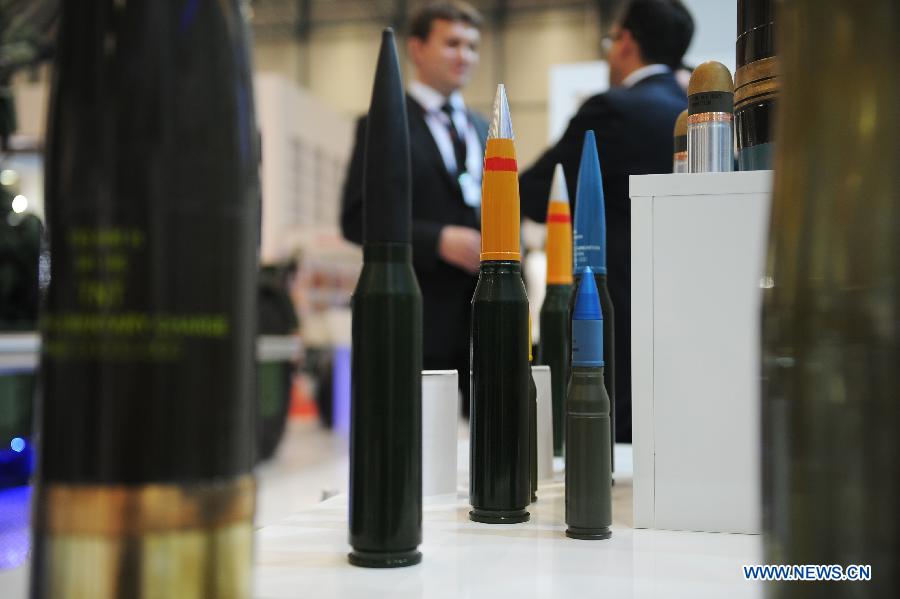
(559, 232)
(500, 188)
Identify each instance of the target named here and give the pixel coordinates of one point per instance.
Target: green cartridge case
(499, 485)
(386, 410)
(588, 468)
(554, 350)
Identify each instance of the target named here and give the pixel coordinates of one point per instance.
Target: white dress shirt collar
(432, 100)
(644, 72)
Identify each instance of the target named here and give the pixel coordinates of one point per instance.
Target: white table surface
(304, 555)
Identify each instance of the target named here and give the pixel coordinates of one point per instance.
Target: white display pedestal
(697, 257)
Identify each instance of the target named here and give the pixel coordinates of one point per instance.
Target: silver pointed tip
(558, 190)
(501, 123)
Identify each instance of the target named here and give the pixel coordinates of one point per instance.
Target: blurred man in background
(447, 148)
(633, 123)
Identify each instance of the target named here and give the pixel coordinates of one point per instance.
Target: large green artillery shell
(153, 208)
(499, 486)
(830, 329)
(554, 351)
(386, 411)
(147, 413)
(609, 350)
(532, 434)
(588, 475)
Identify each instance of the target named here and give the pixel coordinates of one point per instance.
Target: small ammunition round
(710, 130)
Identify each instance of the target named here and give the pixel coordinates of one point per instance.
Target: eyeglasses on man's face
(607, 41)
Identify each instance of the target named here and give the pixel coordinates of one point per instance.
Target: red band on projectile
(498, 163)
(558, 218)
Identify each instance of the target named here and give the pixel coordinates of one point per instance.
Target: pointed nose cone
(559, 232)
(387, 193)
(587, 324)
(590, 211)
(587, 301)
(559, 192)
(501, 124)
(500, 188)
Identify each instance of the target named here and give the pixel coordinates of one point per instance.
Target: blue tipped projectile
(588, 426)
(587, 324)
(590, 211)
(587, 301)
(590, 251)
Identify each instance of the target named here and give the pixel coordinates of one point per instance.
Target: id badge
(471, 190)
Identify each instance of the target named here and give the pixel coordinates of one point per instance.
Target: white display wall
(305, 150)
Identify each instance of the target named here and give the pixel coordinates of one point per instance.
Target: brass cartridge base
(189, 541)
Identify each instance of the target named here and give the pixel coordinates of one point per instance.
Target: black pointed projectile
(386, 356)
(387, 205)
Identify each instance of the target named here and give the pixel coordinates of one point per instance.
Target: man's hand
(461, 247)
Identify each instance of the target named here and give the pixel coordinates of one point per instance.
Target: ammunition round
(710, 131)
(679, 154)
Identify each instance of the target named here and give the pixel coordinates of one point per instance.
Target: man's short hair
(459, 12)
(662, 28)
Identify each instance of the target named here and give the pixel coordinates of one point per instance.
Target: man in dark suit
(446, 151)
(633, 123)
